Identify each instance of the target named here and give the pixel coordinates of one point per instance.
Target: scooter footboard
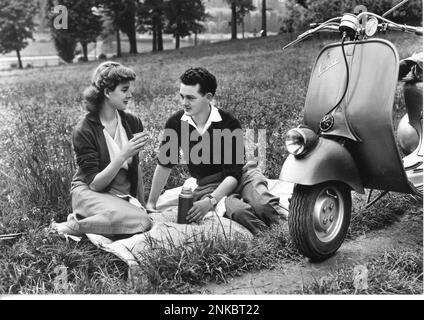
(328, 161)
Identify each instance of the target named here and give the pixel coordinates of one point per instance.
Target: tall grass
(263, 86)
(170, 268)
(394, 272)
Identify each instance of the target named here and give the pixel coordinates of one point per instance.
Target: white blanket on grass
(167, 232)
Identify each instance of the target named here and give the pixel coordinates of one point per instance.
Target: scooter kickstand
(376, 199)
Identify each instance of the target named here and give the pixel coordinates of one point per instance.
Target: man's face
(194, 103)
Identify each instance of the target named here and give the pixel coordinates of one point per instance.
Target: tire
(319, 233)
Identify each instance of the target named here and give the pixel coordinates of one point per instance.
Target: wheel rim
(328, 214)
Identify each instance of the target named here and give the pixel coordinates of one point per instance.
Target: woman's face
(120, 97)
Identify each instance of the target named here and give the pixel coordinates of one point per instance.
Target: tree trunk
(132, 39)
(19, 59)
(84, 50)
(233, 20)
(177, 40)
(242, 27)
(195, 39)
(263, 18)
(118, 44)
(177, 35)
(160, 38)
(155, 38)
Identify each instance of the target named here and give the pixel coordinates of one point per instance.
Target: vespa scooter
(347, 140)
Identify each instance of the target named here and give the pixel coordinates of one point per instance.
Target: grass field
(262, 85)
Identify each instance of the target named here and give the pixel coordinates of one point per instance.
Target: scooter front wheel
(319, 218)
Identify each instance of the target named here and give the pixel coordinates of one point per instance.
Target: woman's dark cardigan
(92, 153)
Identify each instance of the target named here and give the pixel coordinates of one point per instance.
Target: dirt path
(289, 277)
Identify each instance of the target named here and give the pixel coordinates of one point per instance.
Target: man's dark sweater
(223, 154)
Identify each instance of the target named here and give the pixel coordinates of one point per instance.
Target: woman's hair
(107, 75)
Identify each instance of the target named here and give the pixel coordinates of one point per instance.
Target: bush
(65, 46)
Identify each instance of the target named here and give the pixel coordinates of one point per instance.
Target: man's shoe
(282, 212)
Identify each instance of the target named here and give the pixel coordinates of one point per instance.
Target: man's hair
(201, 76)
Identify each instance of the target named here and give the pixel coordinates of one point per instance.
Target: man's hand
(151, 207)
(199, 210)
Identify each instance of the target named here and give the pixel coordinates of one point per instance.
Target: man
(219, 168)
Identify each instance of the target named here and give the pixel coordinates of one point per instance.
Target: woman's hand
(134, 145)
(199, 210)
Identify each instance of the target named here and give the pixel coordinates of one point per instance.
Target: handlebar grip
(419, 31)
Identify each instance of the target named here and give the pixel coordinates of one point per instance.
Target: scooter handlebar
(332, 26)
(403, 28)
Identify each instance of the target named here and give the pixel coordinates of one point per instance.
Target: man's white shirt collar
(213, 117)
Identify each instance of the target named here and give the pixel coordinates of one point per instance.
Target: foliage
(243, 7)
(322, 10)
(151, 17)
(184, 17)
(16, 25)
(180, 269)
(294, 17)
(65, 46)
(123, 16)
(410, 13)
(394, 272)
(83, 26)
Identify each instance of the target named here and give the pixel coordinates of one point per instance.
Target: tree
(83, 27)
(123, 16)
(183, 18)
(243, 7)
(239, 9)
(293, 18)
(151, 17)
(16, 25)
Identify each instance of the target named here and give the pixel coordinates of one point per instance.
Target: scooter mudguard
(328, 161)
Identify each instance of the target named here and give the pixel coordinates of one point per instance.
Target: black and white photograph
(211, 150)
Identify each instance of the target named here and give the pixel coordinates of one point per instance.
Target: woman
(107, 189)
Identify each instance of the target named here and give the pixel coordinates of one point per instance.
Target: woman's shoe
(63, 228)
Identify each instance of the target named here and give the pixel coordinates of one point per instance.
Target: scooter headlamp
(300, 140)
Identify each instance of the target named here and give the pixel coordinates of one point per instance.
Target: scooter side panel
(365, 114)
(373, 81)
(328, 161)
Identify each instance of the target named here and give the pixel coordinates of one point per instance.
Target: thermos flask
(185, 202)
